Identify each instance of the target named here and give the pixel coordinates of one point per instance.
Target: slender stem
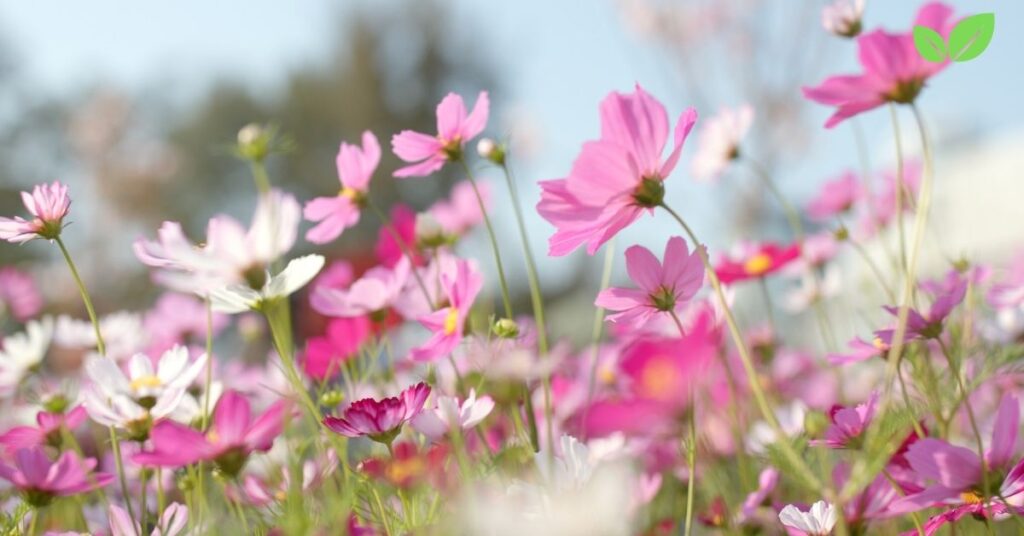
(115, 446)
(260, 176)
(505, 296)
(906, 401)
(208, 380)
(874, 268)
(161, 499)
(899, 491)
(790, 211)
(954, 369)
(595, 337)
(748, 364)
(33, 524)
(236, 508)
(389, 226)
(100, 346)
(898, 215)
(691, 460)
(536, 299)
(279, 319)
(768, 309)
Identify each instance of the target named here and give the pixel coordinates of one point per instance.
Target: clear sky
(558, 59)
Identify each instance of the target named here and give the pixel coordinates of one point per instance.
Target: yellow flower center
(212, 436)
(970, 497)
(659, 377)
(280, 495)
(451, 321)
(758, 264)
(350, 193)
(141, 382)
(401, 470)
(879, 343)
(607, 375)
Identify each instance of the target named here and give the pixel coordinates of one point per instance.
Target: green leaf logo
(930, 44)
(971, 36)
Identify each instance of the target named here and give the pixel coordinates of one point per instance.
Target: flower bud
(254, 141)
(506, 328)
(428, 230)
(815, 423)
(332, 398)
(491, 150)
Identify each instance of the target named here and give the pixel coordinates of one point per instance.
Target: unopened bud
(428, 230)
(491, 150)
(506, 328)
(332, 398)
(815, 423)
(254, 141)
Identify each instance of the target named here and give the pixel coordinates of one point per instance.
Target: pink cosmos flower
(380, 420)
(232, 438)
(448, 323)
(767, 481)
(836, 197)
(454, 129)
(616, 178)
(48, 204)
(326, 355)
(403, 224)
(40, 480)
(861, 350)
(663, 288)
(173, 522)
(460, 213)
(372, 293)
(755, 261)
(47, 431)
(929, 325)
(893, 69)
(337, 213)
(718, 143)
(848, 424)
(882, 209)
(19, 294)
(955, 473)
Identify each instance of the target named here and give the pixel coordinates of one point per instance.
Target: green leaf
(929, 44)
(971, 36)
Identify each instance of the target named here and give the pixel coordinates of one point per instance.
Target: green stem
(208, 380)
(898, 216)
(748, 363)
(595, 337)
(505, 296)
(100, 346)
(691, 461)
(278, 318)
(115, 446)
(260, 176)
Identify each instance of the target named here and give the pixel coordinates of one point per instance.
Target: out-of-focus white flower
(818, 521)
(718, 143)
(123, 333)
(843, 17)
(449, 412)
(122, 412)
(813, 288)
(241, 298)
(190, 409)
(22, 352)
(791, 420)
(143, 384)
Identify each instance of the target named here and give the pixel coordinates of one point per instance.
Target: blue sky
(558, 59)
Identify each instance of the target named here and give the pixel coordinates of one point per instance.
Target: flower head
(454, 129)
(718, 143)
(843, 17)
(232, 438)
(836, 197)
(48, 204)
(380, 420)
(664, 287)
(326, 355)
(756, 261)
(22, 352)
(372, 293)
(893, 69)
(19, 295)
(451, 413)
(46, 432)
(447, 324)
(40, 480)
(818, 521)
(615, 178)
(337, 213)
(241, 298)
(848, 424)
(147, 386)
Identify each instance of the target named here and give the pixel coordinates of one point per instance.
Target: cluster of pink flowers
(283, 394)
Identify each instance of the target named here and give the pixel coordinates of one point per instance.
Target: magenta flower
(47, 431)
(327, 354)
(19, 295)
(616, 178)
(337, 213)
(836, 197)
(663, 288)
(448, 323)
(403, 224)
(454, 129)
(893, 69)
(929, 325)
(755, 261)
(232, 438)
(380, 420)
(48, 204)
(861, 350)
(40, 480)
(848, 424)
(955, 472)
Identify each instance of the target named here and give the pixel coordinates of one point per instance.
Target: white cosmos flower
(191, 408)
(435, 423)
(818, 521)
(120, 411)
(240, 298)
(21, 352)
(123, 334)
(718, 143)
(843, 17)
(165, 386)
(813, 288)
(791, 420)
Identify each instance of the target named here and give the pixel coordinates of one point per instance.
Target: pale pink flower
(374, 292)
(451, 413)
(380, 420)
(48, 204)
(448, 323)
(337, 213)
(173, 522)
(663, 288)
(894, 71)
(48, 430)
(718, 142)
(818, 521)
(458, 214)
(617, 178)
(19, 294)
(843, 17)
(836, 197)
(454, 129)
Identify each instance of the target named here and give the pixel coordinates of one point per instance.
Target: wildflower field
(276, 386)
